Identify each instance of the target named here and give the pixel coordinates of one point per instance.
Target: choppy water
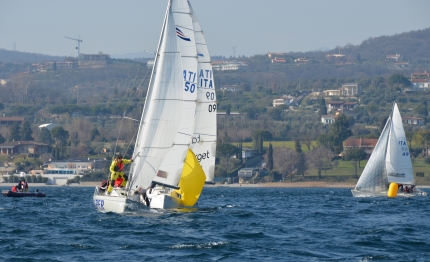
(228, 224)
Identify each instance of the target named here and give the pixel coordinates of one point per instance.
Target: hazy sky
(253, 27)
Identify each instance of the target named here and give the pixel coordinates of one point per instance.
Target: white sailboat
(389, 169)
(167, 125)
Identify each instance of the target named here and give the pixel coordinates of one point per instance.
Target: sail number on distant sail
(404, 148)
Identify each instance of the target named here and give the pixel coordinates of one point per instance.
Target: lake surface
(228, 224)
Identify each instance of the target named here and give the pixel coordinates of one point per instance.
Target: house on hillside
(410, 120)
(59, 171)
(231, 88)
(420, 80)
(367, 144)
(350, 89)
(228, 65)
(301, 60)
(276, 54)
(232, 114)
(245, 174)
(278, 60)
(11, 120)
(284, 100)
(93, 60)
(393, 58)
(334, 92)
(24, 147)
(341, 105)
(327, 119)
(336, 58)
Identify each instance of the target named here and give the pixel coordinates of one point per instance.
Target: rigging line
(125, 110)
(137, 129)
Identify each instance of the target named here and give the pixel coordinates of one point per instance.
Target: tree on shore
(60, 135)
(45, 136)
(269, 164)
(320, 158)
(258, 138)
(355, 154)
(226, 151)
(26, 132)
(15, 132)
(301, 165)
(284, 161)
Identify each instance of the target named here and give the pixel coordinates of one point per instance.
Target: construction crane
(79, 44)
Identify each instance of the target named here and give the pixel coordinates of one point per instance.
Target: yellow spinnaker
(192, 180)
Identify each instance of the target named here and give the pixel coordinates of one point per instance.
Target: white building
(284, 100)
(326, 119)
(59, 171)
(350, 89)
(226, 65)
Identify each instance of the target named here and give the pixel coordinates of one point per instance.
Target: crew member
(116, 169)
(25, 185)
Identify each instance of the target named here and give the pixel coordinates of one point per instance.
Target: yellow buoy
(392, 190)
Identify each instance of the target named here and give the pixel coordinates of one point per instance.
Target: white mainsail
(398, 160)
(171, 169)
(160, 119)
(203, 142)
(374, 178)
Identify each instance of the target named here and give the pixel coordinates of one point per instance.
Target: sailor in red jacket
(116, 169)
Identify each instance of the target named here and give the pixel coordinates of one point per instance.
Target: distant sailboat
(389, 169)
(167, 172)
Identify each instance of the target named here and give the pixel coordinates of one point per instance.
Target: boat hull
(115, 202)
(162, 198)
(164, 201)
(9, 193)
(357, 193)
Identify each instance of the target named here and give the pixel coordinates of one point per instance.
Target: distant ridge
(8, 56)
(411, 45)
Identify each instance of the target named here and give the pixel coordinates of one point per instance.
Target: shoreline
(316, 184)
(310, 184)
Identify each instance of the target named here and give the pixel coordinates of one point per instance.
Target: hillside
(8, 56)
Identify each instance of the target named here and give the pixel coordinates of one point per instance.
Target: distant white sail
(399, 165)
(204, 139)
(374, 178)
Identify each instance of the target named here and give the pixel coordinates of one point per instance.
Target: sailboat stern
(109, 203)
